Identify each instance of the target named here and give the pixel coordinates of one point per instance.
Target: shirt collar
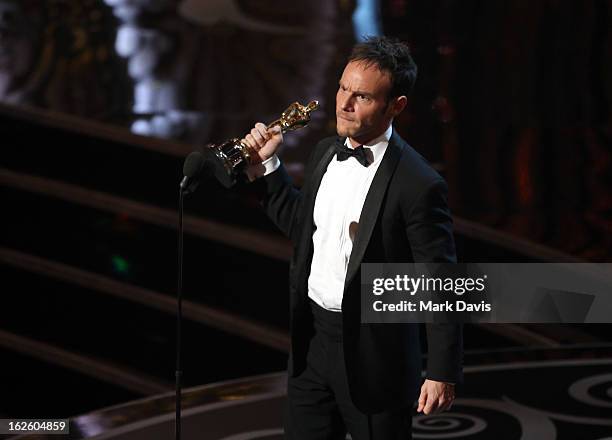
(378, 145)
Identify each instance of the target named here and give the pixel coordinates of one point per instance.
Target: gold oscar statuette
(231, 157)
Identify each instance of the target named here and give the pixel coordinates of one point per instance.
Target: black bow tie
(343, 152)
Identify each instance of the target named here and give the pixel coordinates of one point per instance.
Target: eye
(363, 97)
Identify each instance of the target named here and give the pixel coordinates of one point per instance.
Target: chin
(343, 130)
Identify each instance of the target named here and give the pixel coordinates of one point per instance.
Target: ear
(397, 105)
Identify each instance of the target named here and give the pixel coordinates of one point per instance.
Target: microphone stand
(196, 167)
(179, 315)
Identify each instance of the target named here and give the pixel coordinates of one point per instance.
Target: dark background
(100, 105)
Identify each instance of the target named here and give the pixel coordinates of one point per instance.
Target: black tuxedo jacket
(405, 218)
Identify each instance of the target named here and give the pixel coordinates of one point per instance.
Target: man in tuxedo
(367, 197)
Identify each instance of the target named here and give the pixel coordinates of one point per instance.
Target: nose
(345, 102)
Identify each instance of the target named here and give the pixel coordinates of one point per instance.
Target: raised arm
(280, 199)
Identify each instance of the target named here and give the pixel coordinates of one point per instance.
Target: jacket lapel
(313, 187)
(372, 204)
(310, 192)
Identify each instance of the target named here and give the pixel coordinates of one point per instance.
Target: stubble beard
(344, 130)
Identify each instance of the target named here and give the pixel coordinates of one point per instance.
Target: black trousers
(319, 406)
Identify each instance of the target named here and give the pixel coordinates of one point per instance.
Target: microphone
(196, 168)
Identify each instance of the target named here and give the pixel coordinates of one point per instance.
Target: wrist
(264, 168)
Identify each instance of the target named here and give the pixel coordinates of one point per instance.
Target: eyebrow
(358, 92)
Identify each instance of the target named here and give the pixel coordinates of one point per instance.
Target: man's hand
(265, 142)
(435, 397)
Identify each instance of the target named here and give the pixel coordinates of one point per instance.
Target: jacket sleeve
(281, 201)
(430, 234)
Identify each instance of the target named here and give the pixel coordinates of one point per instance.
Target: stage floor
(562, 394)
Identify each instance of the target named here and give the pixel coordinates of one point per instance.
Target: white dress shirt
(336, 216)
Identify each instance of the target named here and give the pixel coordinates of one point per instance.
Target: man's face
(363, 110)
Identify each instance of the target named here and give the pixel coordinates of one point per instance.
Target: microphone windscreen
(193, 164)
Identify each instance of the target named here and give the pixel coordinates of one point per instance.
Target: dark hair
(389, 55)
